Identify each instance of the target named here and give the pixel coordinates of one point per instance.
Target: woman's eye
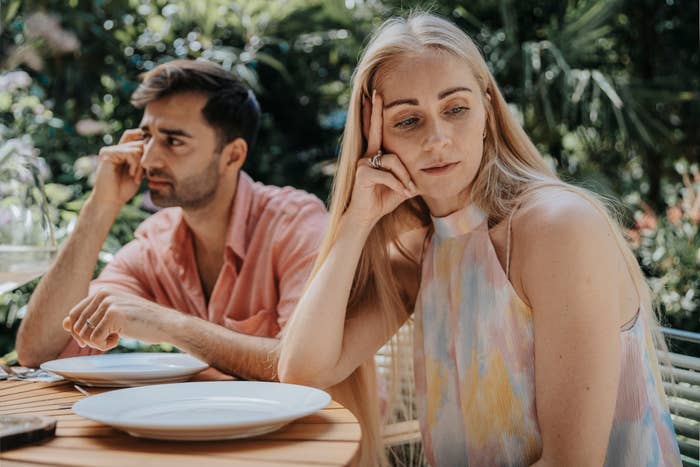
(406, 123)
(457, 110)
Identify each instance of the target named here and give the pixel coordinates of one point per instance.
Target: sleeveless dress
(474, 363)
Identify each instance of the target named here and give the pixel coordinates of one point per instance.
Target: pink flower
(647, 221)
(90, 127)
(674, 214)
(49, 28)
(634, 238)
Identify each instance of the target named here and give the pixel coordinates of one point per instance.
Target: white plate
(127, 369)
(198, 411)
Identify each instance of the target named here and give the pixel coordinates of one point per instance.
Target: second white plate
(210, 410)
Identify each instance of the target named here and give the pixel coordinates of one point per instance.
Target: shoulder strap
(510, 222)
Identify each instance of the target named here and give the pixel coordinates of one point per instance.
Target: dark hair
(231, 108)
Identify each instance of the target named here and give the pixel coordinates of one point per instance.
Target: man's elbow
(27, 355)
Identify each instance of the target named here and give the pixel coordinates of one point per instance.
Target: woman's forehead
(426, 74)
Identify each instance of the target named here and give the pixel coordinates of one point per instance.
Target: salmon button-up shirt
(271, 244)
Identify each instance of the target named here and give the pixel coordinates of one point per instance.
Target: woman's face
(434, 120)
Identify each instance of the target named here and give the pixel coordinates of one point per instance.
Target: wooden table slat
(49, 398)
(89, 458)
(13, 463)
(280, 451)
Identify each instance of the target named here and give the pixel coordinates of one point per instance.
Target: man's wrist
(101, 211)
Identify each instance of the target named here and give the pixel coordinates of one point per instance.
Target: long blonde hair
(511, 170)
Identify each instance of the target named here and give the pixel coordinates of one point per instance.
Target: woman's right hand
(377, 192)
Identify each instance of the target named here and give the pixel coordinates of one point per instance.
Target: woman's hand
(377, 191)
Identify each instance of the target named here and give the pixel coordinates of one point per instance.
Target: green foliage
(668, 247)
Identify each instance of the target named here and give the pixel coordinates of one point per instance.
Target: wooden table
(329, 437)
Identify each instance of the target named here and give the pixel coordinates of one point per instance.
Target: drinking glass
(27, 243)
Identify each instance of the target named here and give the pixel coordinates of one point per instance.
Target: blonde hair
(511, 170)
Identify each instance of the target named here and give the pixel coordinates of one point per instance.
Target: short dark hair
(231, 108)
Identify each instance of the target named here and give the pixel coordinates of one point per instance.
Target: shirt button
(182, 271)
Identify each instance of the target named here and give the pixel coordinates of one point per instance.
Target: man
(217, 273)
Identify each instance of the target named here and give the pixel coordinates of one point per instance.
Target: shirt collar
(235, 235)
(240, 213)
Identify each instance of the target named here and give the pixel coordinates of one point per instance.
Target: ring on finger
(89, 324)
(376, 160)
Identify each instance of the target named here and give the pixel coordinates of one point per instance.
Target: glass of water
(27, 243)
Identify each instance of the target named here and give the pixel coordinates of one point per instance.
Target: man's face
(180, 155)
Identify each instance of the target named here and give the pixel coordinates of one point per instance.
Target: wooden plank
(330, 416)
(10, 387)
(92, 458)
(37, 408)
(312, 452)
(68, 416)
(296, 431)
(83, 422)
(48, 412)
(9, 463)
(98, 431)
(317, 432)
(59, 396)
(37, 391)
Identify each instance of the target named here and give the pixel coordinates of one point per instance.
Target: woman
(533, 340)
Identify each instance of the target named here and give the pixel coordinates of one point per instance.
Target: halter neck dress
(474, 363)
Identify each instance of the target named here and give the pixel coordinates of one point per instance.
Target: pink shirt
(272, 241)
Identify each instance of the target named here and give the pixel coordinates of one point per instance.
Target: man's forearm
(249, 357)
(41, 336)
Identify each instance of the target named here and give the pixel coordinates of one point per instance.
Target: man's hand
(100, 319)
(119, 172)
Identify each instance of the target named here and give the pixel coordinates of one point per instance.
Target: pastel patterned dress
(474, 364)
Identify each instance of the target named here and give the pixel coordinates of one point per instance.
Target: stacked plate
(198, 411)
(128, 369)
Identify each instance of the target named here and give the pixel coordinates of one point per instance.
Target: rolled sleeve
(124, 272)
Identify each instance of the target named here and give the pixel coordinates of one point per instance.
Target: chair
(684, 395)
(401, 436)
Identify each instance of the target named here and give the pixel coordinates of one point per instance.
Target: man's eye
(172, 141)
(406, 123)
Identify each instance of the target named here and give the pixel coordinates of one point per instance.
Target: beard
(192, 192)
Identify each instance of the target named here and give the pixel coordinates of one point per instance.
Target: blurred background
(607, 89)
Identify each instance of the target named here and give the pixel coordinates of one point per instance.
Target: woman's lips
(440, 169)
